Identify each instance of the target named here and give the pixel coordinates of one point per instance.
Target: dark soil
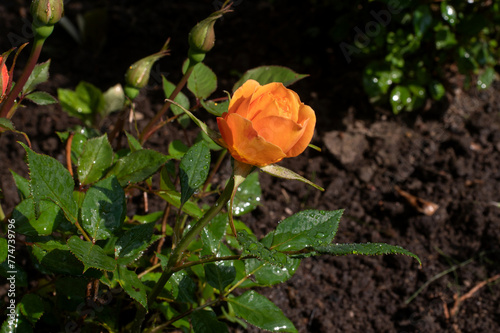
(447, 154)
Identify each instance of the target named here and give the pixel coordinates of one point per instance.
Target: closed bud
(137, 76)
(46, 12)
(202, 36)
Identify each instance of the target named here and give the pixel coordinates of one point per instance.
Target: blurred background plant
(408, 47)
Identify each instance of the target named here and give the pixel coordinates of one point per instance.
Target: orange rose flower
(265, 124)
(5, 79)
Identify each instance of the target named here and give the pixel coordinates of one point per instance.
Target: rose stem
(150, 129)
(179, 250)
(35, 53)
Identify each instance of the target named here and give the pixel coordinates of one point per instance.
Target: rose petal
(245, 144)
(241, 98)
(282, 132)
(307, 119)
(287, 99)
(264, 104)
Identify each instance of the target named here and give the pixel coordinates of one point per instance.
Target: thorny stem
(164, 219)
(150, 127)
(5, 111)
(188, 238)
(179, 251)
(84, 234)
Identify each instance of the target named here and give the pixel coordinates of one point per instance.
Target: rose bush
(5, 78)
(265, 124)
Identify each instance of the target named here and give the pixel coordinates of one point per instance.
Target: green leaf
(378, 78)
(132, 285)
(177, 149)
(281, 172)
(305, 229)
(211, 235)
(137, 166)
(59, 261)
(266, 274)
(194, 169)
(39, 75)
(16, 323)
(209, 141)
(202, 82)
(486, 78)
(96, 158)
(205, 321)
(252, 247)
(445, 38)
(133, 143)
(261, 312)
(148, 218)
(91, 255)
(22, 184)
(400, 99)
(131, 245)
(422, 20)
(103, 209)
(50, 180)
(418, 97)
(168, 89)
(31, 307)
(77, 147)
(186, 287)
(21, 276)
(268, 74)
(215, 136)
(437, 90)
(219, 276)
(50, 217)
(114, 99)
(367, 249)
(448, 13)
(7, 124)
(248, 195)
(41, 98)
(87, 100)
(174, 198)
(215, 108)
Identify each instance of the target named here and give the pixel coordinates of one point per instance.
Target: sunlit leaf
(261, 312)
(91, 255)
(194, 169)
(268, 74)
(103, 209)
(202, 82)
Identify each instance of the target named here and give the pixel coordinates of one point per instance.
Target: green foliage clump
(410, 45)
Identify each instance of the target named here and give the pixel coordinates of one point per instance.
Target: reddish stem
(150, 127)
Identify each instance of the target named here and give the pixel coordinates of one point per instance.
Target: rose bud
(202, 36)
(265, 124)
(137, 76)
(4, 78)
(47, 12)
